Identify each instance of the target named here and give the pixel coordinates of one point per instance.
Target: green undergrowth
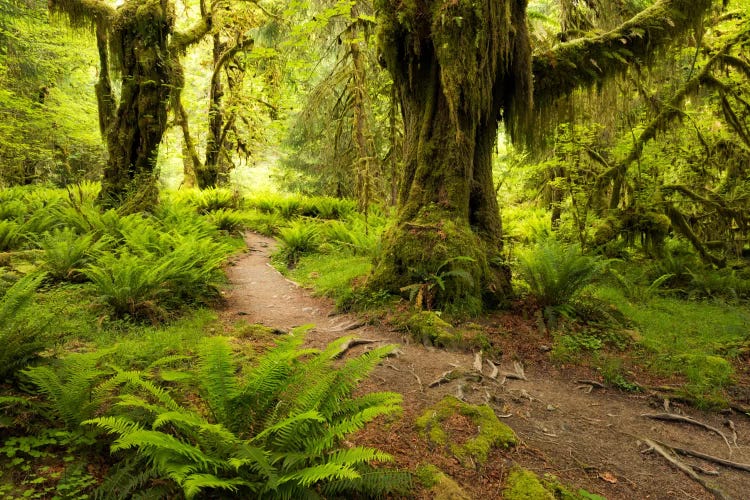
(697, 339)
(106, 318)
(333, 257)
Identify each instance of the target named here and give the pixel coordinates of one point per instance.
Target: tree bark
(143, 49)
(455, 66)
(140, 42)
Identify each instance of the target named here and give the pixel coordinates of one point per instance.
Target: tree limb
(588, 61)
(83, 13)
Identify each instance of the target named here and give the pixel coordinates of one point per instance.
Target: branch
(588, 61)
(83, 13)
(182, 40)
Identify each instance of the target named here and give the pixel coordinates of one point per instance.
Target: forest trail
(589, 437)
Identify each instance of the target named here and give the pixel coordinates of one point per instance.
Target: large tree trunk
(456, 66)
(140, 43)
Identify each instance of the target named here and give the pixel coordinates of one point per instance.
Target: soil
(589, 437)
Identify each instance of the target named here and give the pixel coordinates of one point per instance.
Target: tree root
(671, 417)
(352, 343)
(709, 458)
(668, 454)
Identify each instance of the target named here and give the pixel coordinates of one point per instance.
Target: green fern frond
(319, 473)
(217, 372)
(197, 483)
(17, 297)
(284, 428)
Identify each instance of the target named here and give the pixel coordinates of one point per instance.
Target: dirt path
(588, 438)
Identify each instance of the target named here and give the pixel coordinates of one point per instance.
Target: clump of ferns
(276, 432)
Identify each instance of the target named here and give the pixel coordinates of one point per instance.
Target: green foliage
(22, 333)
(211, 200)
(557, 272)
(31, 455)
(227, 219)
(450, 272)
(267, 224)
(66, 253)
(273, 433)
(11, 235)
(297, 239)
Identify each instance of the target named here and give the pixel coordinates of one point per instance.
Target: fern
(296, 240)
(11, 235)
(295, 427)
(556, 273)
(71, 390)
(65, 252)
(22, 336)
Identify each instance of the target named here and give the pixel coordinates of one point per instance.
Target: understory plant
(557, 272)
(22, 333)
(275, 432)
(295, 240)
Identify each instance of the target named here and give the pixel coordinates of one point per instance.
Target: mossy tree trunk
(459, 66)
(456, 66)
(137, 42)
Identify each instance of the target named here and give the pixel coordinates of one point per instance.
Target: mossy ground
(490, 433)
(439, 485)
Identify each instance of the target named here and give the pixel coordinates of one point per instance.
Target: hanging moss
(491, 433)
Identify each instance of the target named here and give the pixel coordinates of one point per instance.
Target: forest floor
(588, 436)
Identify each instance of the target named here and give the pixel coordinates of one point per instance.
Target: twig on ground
(671, 417)
(518, 374)
(676, 462)
(460, 391)
(731, 426)
(592, 383)
(451, 375)
(345, 327)
(704, 471)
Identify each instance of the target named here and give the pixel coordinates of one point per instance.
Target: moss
(522, 484)
(562, 492)
(491, 433)
(428, 328)
(440, 253)
(254, 331)
(439, 485)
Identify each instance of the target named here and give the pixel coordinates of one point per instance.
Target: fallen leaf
(608, 476)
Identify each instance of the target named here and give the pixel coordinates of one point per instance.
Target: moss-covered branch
(83, 13)
(182, 40)
(589, 61)
(671, 111)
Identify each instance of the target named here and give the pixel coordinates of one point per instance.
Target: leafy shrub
(556, 272)
(149, 285)
(22, 335)
(327, 208)
(353, 236)
(298, 238)
(274, 434)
